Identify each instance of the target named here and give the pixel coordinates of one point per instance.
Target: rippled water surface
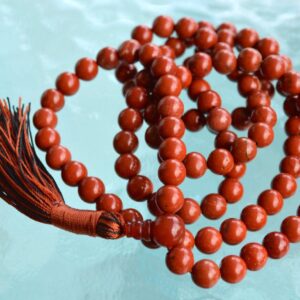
(40, 39)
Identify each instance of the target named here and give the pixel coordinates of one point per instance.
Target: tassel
(26, 185)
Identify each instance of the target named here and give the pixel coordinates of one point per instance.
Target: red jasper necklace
(152, 96)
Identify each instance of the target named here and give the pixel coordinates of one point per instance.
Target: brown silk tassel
(26, 184)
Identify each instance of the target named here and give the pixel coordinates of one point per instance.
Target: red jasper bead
(292, 126)
(226, 36)
(255, 256)
(285, 184)
(271, 201)
(247, 84)
(208, 240)
(193, 120)
(167, 51)
(273, 67)
(290, 165)
(233, 231)
(180, 260)
(205, 273)
(292, 145)
(202, 24)
(163, 26)
(86, 69)
(262, 134)
(238, 171)
(291, 228)
(131, 215)
(142, 33)
(153, 206)
(227, 26)
(107, 58)
(53, 100)
(267, 46)
(163, 65)
(172, 148)
(205, 38)
(195, 164)
(109, 202)
(247, 37)
(208, 100)
(168, 230)
(200, 64)
(172, 171)
(218, 119)
(171, 127)
(243, 150)
(231, 189)
(188, 240)
(224, 61)
(213, 206)
(258, 99)
(290, 83)
(125, 142)
(139, 188)
(151, 114)
(196, 87)
(233, 269)
(73, 172)
(90, 188)
(44, 117)
(265, 114)
(184, 75)
(290, 106)
(128, 51)
(254, 217)
(170, 106)
(177, 45)
(130, 119)
(190, 211)
(276, 244)
(249, 60)
(220, 46)
(186, 27)
(168, 85)
(169, 199)
(127, 166)
(225, 139)
(148, 53)
(220, 161)
(67, 83)
(137, 97)
(152, 137)
(240, 118)
(125, 72)
(46, 138)
(57, 156)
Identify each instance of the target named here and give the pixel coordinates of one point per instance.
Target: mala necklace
(152, 95)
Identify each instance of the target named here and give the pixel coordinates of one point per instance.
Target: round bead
(238, 171)
(276, 244)
(190, 211)
(73, 172)
(292, 145)
(187, 241)
(213, 206)
(285, 184)
(167, 51)
(184, 75)
(186, 27)
(130, 119)
(90, 188)
(205, 273)
(196, 87)
(171, 127)
(224, 61)
(262, 134)
(225, 139)
(168, 85)
(240, 118)
(290, 83)
(233, 231)
(180, 260)
(254, 217)
(172, 148)
(267, 46)
(139, 188)
(168, 230)
(271, 201)
(208, 240)
(125, 72)
(128, 51)
(143, 34)
(86, 69)
(127, 166)
(226, 36)
(67, 83)
(200, 64)
(231, 189)
(152, 137)
(264, 114)
(227, 26)
(249, 60)
(220, 161)
(109, 203)
(137, 97)
(107, 58)
(255, 256)
(148, 53)
(53, 100)
(247, 37)
(151, 114)
(170, 106)
(258, 99)
(57, 156)
(195, 165)
(248, 84)
(292, 126)
(291, 228)
(131, 215)
(193, 120)
(125, 142)
(218, 119)
(153, 206)
(233, 269)
(44, 117)
(205, 38)
(177, 45)
(273, 67)
(172, 172)
(208, 100)
(163, 65)
(46, 138)
(243, 150)
(163, 26)
(169, 199)
(290, 165)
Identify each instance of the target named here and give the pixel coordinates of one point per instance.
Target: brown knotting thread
(26, 184)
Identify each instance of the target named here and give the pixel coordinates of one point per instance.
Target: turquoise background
(39, 40)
